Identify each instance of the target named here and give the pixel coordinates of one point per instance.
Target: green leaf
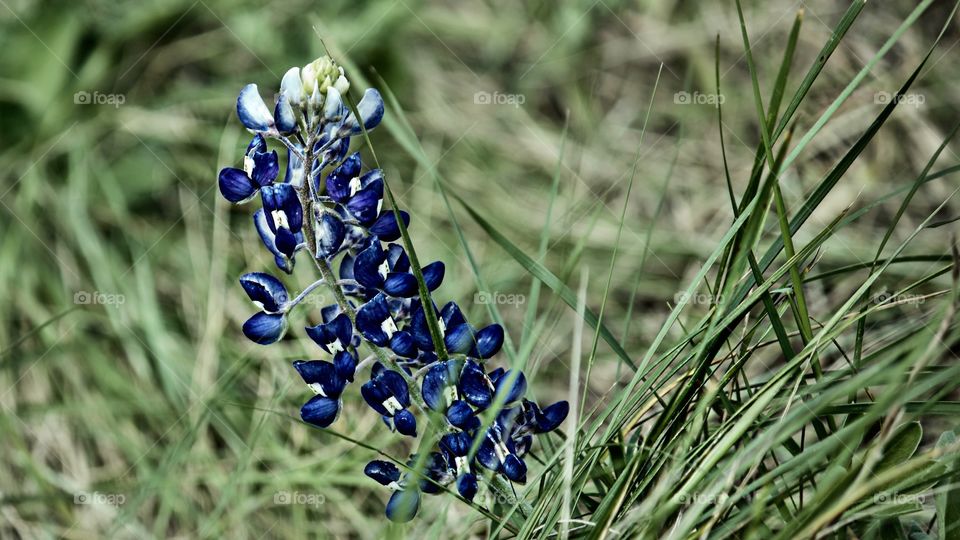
(903, 444)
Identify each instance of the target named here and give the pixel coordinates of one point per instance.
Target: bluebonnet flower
(387, 393)
(405, 501)
(260, 168)
(269, 294)
(327, 380)
(330, 208)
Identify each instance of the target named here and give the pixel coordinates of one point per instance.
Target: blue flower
(283, 259)
(327, 380)
(497, 453)
(374, 321)
(253, 112)
(330, 232)
(458, 335)
(388, 271)
(284, 215)
(386, 392)
(269, 294)
(456, 446)
(345, 214)
(333, 336)
(260, 168)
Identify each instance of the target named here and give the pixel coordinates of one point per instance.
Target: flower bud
(320, 75)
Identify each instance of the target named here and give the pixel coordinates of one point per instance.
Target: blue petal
(320, 411)
(396, 385)
(236, 186)
(338, 181)
(400, 285)
(265, 328)
(452, 316)
(406, 423)
(251, 109)
(330, 234)
(383, 472)
(282, 206)
(368, 265)
(375, 394)
(329, 313)
(403, 505)
(374, 321)
(433, 275)
(515, 469)
(269, 239)
(487, 456)
(489, 341)
(459, 340)
(265, 290)
(371, 112)
(333, 336)
(345, 364)
(517, 389)
(475, 386)
(402, 343)
(287, 241)
(462, 416)
(283, 112)
(436, 382)
(266, 166)
(551, 417)
(399, 262)
(365, 206)
(467, 486)
(386, 227)
(456, 444)
(258, 145)
(419, 329)
(346, 267)
(321, 375)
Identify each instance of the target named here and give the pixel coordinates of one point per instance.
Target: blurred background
(131, 406)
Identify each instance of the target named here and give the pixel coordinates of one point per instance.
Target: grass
(753, 305)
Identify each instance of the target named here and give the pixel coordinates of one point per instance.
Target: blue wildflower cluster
(332, 209)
